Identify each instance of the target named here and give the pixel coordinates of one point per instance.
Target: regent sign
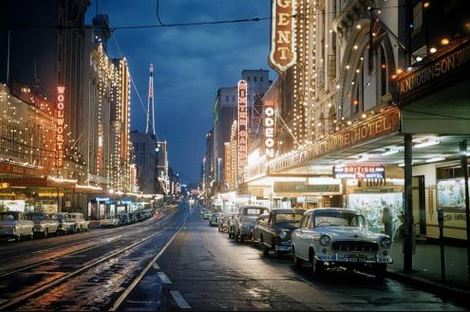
(60, 126)
(242, 125)
(269, 129)
(282, 54)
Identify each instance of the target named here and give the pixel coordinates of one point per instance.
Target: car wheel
(297, 261)
(380, 270)
(265, 251)
(318, 267)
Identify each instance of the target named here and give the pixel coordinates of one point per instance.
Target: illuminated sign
(4, 185)
(378, 126)
(282, 54)
(60, 126)
(269, 129)
(359, 172)
(242, 125)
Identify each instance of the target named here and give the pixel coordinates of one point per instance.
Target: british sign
(358, 172)
(282, 54)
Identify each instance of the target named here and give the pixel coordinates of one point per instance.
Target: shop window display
(382, 211)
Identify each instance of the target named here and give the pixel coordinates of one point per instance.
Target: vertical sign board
(269, 129)
(60, 126)
(242, 126)
(282, 54)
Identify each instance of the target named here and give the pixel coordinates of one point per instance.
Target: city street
(204, 270)
(83, 271)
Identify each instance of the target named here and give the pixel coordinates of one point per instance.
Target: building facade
(144, 146)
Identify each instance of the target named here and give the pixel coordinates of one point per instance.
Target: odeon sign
(269, 130)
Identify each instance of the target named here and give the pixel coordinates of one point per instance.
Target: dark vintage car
(273, 231)
(244, 222)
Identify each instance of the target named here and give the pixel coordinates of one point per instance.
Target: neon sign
(282, 54)
(60, 126)
(269, 129)
(242, 126)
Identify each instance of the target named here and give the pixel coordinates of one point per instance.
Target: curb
(431, 286)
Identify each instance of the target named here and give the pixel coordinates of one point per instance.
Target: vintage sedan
(274, 231)
(213, 219)
(14, 225)
(330, 237)
(109, 221)
(44, 224)
(244, 221)
(66, 224)
(80, 223)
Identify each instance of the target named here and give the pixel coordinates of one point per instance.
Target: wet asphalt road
(203, 270)
(84, 271)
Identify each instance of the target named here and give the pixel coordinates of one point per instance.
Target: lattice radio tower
(150, 105)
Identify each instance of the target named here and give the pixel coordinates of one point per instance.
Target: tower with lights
(150, 125)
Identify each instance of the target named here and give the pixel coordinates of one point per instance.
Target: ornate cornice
(354, 11)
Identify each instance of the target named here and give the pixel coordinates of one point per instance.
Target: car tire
(265, 251)
(297, 261)
(318, 267)
(380, 270)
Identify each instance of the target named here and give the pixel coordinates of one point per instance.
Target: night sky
(191, 63)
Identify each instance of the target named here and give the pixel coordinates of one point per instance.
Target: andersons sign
(380, 125)
(242, 125)
(439, 69)
(282, 54)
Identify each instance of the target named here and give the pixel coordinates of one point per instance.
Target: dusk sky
(191, 63)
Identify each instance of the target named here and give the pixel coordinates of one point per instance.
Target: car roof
(331, 209)
(287, 210)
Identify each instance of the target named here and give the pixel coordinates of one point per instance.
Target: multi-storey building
(144, 145)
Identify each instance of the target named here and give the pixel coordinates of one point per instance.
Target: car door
(302, 242)
(268, 234)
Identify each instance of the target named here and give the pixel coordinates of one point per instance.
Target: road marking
(164, 278)
(182, 304)
(156, 266)
(126, 293)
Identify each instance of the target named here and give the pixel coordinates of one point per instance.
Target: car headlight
(385, 242)
(283, 234)
(324, 240)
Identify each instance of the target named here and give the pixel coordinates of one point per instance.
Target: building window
(417, 17)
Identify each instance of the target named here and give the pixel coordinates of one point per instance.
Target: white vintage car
(14, 225)
(339, 237)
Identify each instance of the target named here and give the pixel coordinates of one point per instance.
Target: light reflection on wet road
(212, 272)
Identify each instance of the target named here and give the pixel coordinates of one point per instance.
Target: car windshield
(253, 211)
(5, 216)
(288, 217)
(36, 216)
(335, 218)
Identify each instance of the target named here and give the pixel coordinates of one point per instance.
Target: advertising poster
(450, 193)
(382, 211)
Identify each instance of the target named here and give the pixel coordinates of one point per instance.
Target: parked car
(109, 221)
(44, 224)
(274, 232)
(231, 226)
(244, 221)
(124, 218)
(223, 222)
(214, 218)
(14, 225)
(81, 223)
(330, 237)
(132, 217)
(261, 220)
(66, 224)
(207, 214)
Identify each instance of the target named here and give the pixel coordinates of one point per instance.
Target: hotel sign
(60, 127)
(440, 69)
(359, 172)
(269, 129)
(242, 125)
(376, 127)
(282, 54)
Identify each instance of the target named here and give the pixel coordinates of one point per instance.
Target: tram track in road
(95, 265)
(107, 241)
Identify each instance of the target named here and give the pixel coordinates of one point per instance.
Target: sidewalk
(427, 269)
